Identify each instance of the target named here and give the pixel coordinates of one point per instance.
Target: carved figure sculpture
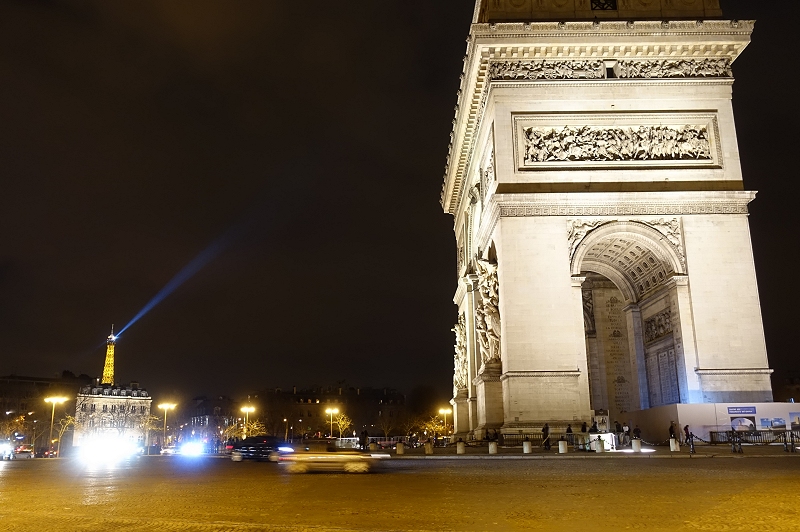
(460, 356)
(489, 311)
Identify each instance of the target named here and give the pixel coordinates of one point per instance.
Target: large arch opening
(629, 296)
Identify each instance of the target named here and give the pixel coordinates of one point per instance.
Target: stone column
(640, 396)
(685, 345)
(473, 351)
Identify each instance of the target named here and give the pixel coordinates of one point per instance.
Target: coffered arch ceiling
(636, 257)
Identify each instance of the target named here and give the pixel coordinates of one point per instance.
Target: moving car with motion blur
(324, 455)
(24, 451)
(256, 448)
(6, 450)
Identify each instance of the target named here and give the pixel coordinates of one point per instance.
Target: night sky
(297, 149)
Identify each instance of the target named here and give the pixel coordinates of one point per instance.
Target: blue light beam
(203, 258)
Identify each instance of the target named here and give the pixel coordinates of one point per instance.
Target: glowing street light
(444, 412)
(54, 401)
(166, 407)
(247, 410)
(331, 411)
(286, 433)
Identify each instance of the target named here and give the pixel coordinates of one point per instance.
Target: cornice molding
(623, 204)
(575, 373)
(722, 371)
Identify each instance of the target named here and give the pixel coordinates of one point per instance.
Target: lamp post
(247, 410)
(331, 411)
(286, 433)
(54, 401)
(444, 412)
(165, 407)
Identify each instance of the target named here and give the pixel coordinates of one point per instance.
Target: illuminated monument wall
(604, 256)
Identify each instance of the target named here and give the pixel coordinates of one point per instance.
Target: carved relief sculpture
(460, 356)
(577, 229)
(675, 68)
(543, 69)
(600, 143)
(489, 312)
(658, 326)
(588, 310)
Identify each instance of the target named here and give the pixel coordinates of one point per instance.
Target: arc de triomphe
(604, 256)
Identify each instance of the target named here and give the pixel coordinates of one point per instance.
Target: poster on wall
(743, 423)
(772, 423)
(794, 419)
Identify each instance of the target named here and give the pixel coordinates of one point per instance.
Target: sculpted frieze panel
(593, 143)
(658, 326)
(546, 69)
(544, 141)
(675, 68)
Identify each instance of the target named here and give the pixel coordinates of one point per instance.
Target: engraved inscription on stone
(615, 349)
(675, 68)
(544, 69)
(601, 143)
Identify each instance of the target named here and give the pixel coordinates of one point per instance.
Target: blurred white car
(323, 455)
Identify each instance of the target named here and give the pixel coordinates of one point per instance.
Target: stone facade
(604, 256)
(106, 411)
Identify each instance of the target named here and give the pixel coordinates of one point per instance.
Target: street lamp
(444, 412)
(247, 410)
(286, 434)
(332, 411)
(54, 401)
(165, 407)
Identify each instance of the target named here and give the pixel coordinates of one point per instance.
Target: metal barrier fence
(762, 437)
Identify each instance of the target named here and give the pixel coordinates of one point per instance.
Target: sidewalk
(481, 451)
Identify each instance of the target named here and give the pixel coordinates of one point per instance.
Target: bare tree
(64, 424)
(343, 422)
(386, 424)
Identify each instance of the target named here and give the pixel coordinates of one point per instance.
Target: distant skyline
(288, 160)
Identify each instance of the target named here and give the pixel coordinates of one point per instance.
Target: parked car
(255, 448)
(24, 451)
(323, 455)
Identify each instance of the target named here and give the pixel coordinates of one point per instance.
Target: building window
(92, 408)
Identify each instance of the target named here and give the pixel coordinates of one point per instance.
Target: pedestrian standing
(546, 437)
(626, 434)
(686, 433)
(637, 432)
(583, 427)
(569, 433)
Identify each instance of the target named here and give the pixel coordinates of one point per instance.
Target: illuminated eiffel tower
(108, 369)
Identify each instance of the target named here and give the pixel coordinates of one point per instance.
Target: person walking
(626, 433)
(569, 434)
(546, 437)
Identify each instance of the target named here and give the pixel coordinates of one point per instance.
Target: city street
(575, 492)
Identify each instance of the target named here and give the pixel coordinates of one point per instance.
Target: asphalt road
(562, 493)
